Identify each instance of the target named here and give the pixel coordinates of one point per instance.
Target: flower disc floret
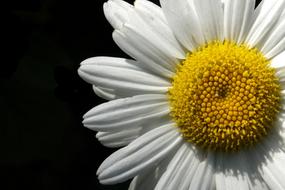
(224, 96)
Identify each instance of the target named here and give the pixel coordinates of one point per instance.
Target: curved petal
(144, 36)
(278, 61)
(148, 179)
(184, 22)
(272, 171)
(268, 14)
(137, 111)
(106, 93)
(204, 175)
(121, 75)
(279, 65)
(118, 138)
(142, 154)
(116, 12)
(231, 173)
(165, 39)
(114, 139)
(142, 50)
(211, 16)
(187, 170)
(275, 42)
(176, 168)
(237, 19)
(150, 9)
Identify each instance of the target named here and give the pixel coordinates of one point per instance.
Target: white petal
(137, 111)
(145, 37)
(142, 49)
(210, 14)
(158, 28)
(106, 93)
(275, 42)
(191, 171)
(278, 61)
(137, 48)
(279, 65)
(184, 22)
(118, 138)
(237, 19)
(203, 176)
(255, 182)
(116, 12)
(148, 8)
(270, 159)
(182, 169)
(121, 75)
(124, 137)
(267, 16)
(273, 171)
(141, 154)
(234, 175)
(176, 168)
(149, 178)
(219, 174)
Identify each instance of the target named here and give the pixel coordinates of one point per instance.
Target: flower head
(201, 104)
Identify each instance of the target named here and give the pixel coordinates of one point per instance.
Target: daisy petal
(279, 65)
(149, 178)
(184, 22)
(116, 12)
(275, 42)
(192, 168)
(106, 93)
(141, 154)
(278, 61)
(268, 15)
(165, 39)
(210, 14)
(150, 9)
(144, 36)
(121, 75)
(237, 19)
(176, 168)
(118, 138)
(232, 173)
(140, 50)
(203, 176)
(182, 169)
(273, 171)
(146, 110)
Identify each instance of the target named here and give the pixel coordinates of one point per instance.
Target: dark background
(43, 144)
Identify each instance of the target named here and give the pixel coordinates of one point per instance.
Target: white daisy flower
(201, 105)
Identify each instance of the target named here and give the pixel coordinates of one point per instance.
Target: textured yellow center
(224, 96)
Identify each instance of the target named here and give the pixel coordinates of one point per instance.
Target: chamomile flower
(201, 105)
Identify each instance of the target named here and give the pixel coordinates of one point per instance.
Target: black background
(43, 144)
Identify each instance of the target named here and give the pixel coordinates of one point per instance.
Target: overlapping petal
(144, 36)
(184, 22)
(140, 155)
(210, 14)
(128, 113)
(272, 170)
(275, 41)
(118, 138)
(267, 15)
(121, 75)
(148, 179)
(237, 19)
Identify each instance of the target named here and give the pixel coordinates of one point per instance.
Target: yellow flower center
(224, 96)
